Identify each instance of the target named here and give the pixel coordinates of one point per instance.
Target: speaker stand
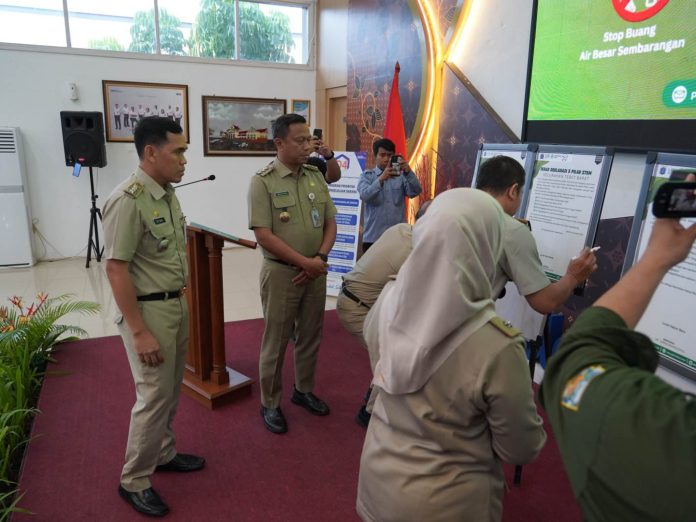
(94, 213)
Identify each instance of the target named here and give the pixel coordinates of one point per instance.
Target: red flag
(394, 126)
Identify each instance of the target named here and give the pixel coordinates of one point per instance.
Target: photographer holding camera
(384, 190)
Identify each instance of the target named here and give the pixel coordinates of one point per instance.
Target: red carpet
(72, 466)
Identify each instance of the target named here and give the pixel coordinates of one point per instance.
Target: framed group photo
(240, 126)
(126, 103)
(303, 108)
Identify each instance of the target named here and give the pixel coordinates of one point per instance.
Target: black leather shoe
(182, 462)
(274, 420)
(363, 417)
(310, 402)
(147, 502)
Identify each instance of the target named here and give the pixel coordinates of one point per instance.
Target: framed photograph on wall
(240, 126)
(303, 108)
(126, 103)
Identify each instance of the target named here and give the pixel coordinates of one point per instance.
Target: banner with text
(565, 201)
(344, 194)
(669, 318)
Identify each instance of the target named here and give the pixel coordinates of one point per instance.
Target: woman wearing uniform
(456, 397)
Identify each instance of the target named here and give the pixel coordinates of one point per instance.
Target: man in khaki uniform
(503, 178)
(292, 216)
(362, 286)
(147, 269)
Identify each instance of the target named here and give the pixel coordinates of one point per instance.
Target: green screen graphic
(592, 63)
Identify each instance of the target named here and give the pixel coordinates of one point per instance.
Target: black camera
(675, 200)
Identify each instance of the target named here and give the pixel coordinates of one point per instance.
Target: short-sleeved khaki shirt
(520, 261)
(384, 259)
(144, 225)
(274, 190)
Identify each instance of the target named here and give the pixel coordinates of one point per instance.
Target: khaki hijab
(443, 292)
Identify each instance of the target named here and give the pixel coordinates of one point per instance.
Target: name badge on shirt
(316, 220)
(159, 221)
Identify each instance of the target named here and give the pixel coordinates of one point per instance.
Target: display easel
(207, 378)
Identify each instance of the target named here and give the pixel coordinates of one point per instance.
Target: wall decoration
(240, 126)
(126, 103)
(303, 108)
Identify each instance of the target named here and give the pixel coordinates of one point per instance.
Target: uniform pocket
(397, 195)
(160, 238)
(283, 201)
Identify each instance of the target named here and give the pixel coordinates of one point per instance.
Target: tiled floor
(240, 268)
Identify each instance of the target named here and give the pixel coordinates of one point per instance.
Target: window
(268, 32)
(272, 33)
(37, 22)
(111, 26)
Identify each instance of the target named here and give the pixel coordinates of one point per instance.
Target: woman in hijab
(456, 397)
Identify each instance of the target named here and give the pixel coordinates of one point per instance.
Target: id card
(316, 220)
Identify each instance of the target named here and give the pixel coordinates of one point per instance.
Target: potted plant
(28, 335)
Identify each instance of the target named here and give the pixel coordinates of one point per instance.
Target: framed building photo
(126, 103)
(239, 126)
(302, 107)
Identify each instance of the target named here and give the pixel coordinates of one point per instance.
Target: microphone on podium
(209, 178)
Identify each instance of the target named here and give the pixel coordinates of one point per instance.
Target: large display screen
(614, 72)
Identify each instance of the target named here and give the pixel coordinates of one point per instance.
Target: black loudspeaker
(83, 138)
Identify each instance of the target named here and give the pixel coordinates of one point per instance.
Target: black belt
(162, 296)
(350, 295)
(281, 262)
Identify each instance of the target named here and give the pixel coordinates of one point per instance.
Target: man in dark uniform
(292, 216)
(147, 269)
(627, 438)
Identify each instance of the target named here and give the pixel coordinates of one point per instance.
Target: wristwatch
(327, 158)
(323, 257)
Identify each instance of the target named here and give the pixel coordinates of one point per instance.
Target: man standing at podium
(292, 216)
(146, 266)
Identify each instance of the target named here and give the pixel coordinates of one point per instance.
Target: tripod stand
(94, 212)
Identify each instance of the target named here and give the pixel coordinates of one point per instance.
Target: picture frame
(234, 126)
(303, 108)
(142, 99)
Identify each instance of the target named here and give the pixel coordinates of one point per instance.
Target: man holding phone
(330, 168)
(384, 190)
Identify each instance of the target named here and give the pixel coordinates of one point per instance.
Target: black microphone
(209, 178)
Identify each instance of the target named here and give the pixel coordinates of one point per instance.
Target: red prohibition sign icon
(628, 10)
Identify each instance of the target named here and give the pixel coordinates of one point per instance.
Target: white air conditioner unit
(15, 217)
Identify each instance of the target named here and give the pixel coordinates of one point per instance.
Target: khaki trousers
(151, 440)
(288, 308)
(352, 317)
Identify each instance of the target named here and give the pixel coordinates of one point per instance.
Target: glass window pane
(273, 33)
(212, 32)
(126, 25)
(35, 22)
(176, 20)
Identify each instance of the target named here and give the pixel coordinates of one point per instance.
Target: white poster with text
(561, 202)
(344, 194)
(669, 318)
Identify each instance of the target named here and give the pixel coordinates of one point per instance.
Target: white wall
(32, 93)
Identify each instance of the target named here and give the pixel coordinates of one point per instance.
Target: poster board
(669, 318)
(523, 153)
(565, 200)
(344, 194)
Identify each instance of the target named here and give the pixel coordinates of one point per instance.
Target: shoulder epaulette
(505, 327)
(134, 189)
(266, 170)
(313, 168)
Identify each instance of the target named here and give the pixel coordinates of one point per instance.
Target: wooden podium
(207, 379)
